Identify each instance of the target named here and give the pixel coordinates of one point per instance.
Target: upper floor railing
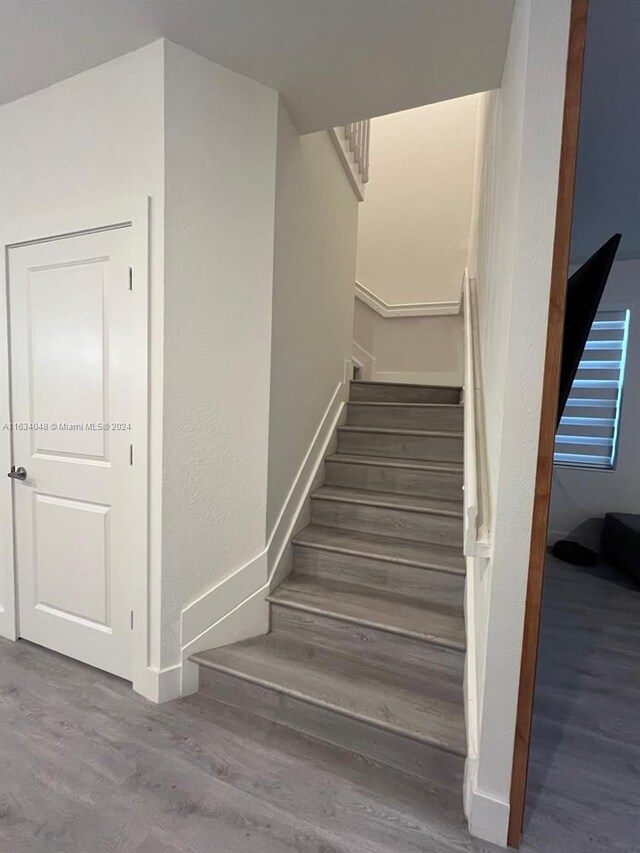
(357, 135)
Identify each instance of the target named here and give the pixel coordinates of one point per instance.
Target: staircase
(366, 648)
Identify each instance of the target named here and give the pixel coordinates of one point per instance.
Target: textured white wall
(514, 269)
(93, 138)
(316, 217)
(219, 224)
(413, 235)
(580, 498)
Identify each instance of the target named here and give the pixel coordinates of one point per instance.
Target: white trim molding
(292, 515)
(364, 360)
(161, 685)
(407, 309)
(488, 815)
(231, 611)
(207, 610)
(236, 608)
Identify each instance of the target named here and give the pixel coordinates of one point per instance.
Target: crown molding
(409, 309)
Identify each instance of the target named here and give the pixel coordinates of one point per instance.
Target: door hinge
(131, 619)
(131, 454)
(130, 278)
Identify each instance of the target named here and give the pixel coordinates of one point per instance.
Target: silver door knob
(17, 473)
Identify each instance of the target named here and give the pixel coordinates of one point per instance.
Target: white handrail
(476, 532)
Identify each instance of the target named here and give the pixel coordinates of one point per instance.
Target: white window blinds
(588, 432)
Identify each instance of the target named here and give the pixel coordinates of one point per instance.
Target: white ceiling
(333, 60)
(607, 196)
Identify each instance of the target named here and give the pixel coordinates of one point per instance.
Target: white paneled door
(70, 331)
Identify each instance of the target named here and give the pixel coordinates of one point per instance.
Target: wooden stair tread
(368, 629)
(391, 500)
(426, 433)
(395, 462)
(387, 548)
(393, 698)
(382, 609)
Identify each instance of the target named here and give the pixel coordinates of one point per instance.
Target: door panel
(67, 534)
(71, 328)
(69, 361)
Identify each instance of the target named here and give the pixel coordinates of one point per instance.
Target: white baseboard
(364, 360)
(488, 816)
(160, 685)
(469, 784)
(189, 682)
(292, 515)
(249, 618)
(236, 608)
(228, 612)
(222, 598)
(470, 684)
(451, 378)
(7, 625)
(209, 622)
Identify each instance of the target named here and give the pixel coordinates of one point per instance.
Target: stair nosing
(368, 623)
(401, 561)
(362, 501)
(396, 462)
(313, 700)
(393, 431)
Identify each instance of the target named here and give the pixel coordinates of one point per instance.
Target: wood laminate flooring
(90, 767)
(584, 777)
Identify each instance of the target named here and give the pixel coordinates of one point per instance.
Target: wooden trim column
(559, 275)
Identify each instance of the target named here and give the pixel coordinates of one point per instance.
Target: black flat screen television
(584, 291)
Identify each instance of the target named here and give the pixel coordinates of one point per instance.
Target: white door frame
(48, 225)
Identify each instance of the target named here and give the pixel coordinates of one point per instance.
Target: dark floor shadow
(574, 600)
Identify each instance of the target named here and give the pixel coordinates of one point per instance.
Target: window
(588, 432)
